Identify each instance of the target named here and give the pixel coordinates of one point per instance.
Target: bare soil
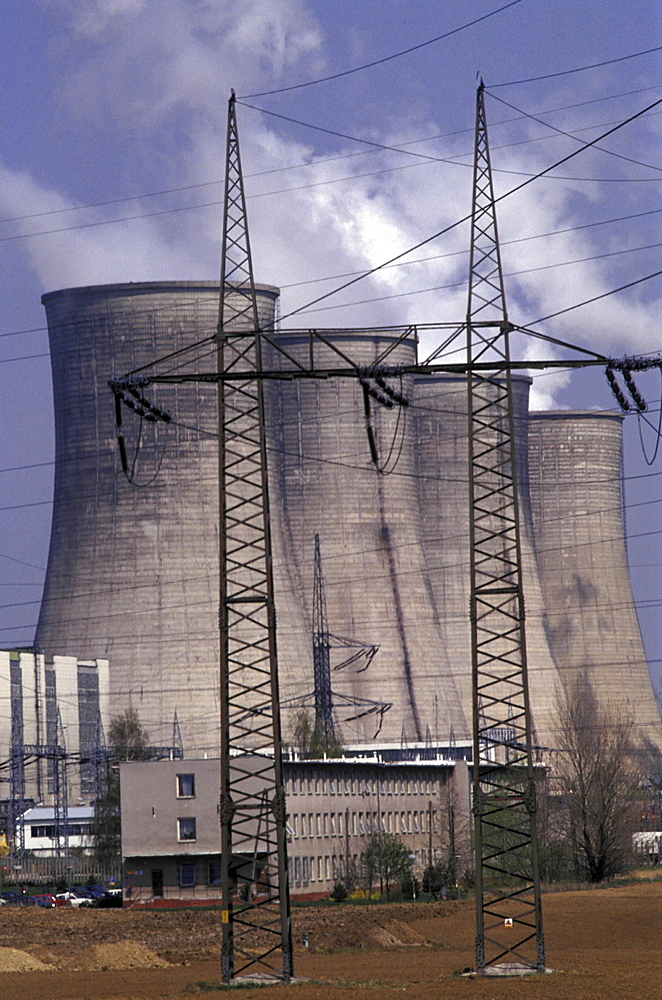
(604, 944)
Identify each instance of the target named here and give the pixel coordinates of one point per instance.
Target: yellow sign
(225, 916)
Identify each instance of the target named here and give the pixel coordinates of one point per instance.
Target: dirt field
(605, 944)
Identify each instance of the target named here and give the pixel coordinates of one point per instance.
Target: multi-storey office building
(171, 830)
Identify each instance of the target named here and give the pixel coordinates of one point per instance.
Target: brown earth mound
(121, 955)
(13, 960)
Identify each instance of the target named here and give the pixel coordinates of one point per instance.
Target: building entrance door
(157, 881)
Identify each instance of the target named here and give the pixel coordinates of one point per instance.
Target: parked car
(45, 900)
(111, 898)
(95, 891)
(11, 897)
(75, 898)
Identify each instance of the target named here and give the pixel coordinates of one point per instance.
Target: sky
(112, 161)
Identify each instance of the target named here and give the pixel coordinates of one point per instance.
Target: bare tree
(597, 780)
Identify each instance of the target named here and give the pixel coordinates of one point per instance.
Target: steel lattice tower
(256, 911)
(324, 726)
(508, 911)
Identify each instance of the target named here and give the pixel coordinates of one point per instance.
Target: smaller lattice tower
(324, 724)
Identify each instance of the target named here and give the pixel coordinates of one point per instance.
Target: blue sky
(121, 104)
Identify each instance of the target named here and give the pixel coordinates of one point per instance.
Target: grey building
(171, 830)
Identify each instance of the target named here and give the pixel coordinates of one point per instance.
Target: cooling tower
(367, 516)
(443, 491)
(133, 568)
(590, 617)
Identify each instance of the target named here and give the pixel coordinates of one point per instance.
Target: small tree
(386, 857)
(128, 741)
(435, 877)
(597, 780)
(311, 741)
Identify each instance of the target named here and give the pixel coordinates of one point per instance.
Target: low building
(40, 829)
(171, 832)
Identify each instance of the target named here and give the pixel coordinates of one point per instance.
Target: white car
(76, 899)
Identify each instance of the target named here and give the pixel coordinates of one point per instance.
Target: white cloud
(148, 59)
(156, 74)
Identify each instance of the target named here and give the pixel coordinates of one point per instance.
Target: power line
(467, 218)
(596, 298)
(312, 163)
(384, 59)
(569, 135)
(577, 69)
(423, 260)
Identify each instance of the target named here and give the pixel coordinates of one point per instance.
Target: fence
(75, 871)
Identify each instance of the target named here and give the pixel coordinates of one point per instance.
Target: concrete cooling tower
(590, 616)
(133, 566)
(369, 522)
(443, 490)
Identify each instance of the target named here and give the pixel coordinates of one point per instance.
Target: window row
(359, 823)
(319, 868)
(303, 871)
(321, 782)
(73, 830)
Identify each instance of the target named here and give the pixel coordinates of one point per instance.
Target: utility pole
(508, 910)
(254, 873)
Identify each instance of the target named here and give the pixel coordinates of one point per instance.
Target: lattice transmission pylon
(508, 911)
(256, 910)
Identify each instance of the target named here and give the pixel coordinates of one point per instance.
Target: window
(214, 873)
(185, 786)
(186, 828)
(42, 831)
(187, 873)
